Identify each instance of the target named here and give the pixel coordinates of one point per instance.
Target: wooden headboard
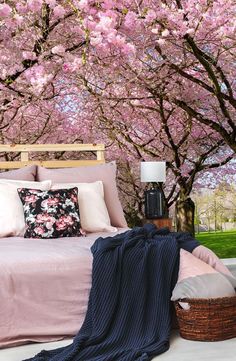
(25, 149)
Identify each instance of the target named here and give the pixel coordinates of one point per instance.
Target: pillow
(51, 214)
(199, 280)
(26, 174)
(93, 211)
(12, 221)
(88, 174)
(209, 257)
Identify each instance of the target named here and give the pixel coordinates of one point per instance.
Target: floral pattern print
(51, 214)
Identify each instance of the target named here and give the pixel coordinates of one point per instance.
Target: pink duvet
(44, 287)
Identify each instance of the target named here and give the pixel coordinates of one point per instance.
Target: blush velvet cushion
(88, 174)
(93, 211)
(12, 221)
(24, 174)
(51, 214)
(209, 257)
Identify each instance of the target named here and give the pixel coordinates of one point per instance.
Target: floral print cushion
(51, 214)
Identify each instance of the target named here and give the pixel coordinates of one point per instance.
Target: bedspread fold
(129, 310)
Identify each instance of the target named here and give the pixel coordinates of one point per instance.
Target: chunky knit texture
(129, 313)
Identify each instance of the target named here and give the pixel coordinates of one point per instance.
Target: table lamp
(154, 172)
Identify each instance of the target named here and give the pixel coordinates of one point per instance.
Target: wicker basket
(207, 319)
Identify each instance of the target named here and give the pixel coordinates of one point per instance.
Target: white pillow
(92, 207)
(12, 222)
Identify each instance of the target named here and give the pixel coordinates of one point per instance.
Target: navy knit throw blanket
(129, 309)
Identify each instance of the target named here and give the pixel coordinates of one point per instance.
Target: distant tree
(217, 206)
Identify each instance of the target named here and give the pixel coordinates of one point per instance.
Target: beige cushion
(92, 208)
(88, 174)
(12, 222)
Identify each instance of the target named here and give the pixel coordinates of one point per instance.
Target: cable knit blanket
(129, 311)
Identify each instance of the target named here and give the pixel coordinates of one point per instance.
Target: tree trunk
(184, 212)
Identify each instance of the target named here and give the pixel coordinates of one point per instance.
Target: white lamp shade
(153, 171)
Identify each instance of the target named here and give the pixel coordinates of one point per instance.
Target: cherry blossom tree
(152, 132)
(157, 79)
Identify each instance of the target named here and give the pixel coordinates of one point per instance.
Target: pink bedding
(44, 287)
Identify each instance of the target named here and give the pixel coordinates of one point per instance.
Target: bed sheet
(44, 287)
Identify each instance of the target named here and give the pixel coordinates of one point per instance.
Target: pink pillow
(25, 174)
(87, 174)
(209, 257)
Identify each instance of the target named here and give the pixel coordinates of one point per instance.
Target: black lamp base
(154, 204)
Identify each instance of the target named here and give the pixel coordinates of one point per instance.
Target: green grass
(222, 243)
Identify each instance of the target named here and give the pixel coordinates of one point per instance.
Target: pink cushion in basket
(86, 174)
(209, 257)
(197, 279)
(25, 174)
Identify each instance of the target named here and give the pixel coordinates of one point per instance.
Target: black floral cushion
(51, 214)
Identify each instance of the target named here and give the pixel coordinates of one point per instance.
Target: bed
(45, 283)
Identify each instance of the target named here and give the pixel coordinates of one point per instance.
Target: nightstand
(161, 222)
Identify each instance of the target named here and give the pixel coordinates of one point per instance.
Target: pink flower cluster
(5, 10)
(63, 222)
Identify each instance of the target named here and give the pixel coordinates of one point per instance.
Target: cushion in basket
(87, 174)
(93, 211)
(197, 279)
(12, 222)
(51, 214)
(25, 174)
(209, 257)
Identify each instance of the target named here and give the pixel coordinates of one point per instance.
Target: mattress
(180, 349)
(44, 287)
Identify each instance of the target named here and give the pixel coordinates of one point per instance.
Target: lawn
(222, 243)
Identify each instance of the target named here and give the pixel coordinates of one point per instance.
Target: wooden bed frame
(25, 149)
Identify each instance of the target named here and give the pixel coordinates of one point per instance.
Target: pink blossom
(50, 202)
(105, 23)
(74, 198)
(30, 199)
(161, 41)
(34, 5)
(49, 225)
(66, 67)
(67, 219)
(83, 4)
(108, 4)
(155, 30)
(60, 225)
(29, 55)
(21, 8)
(128, 49)
(96, 39)
(58, 49)
(34, 191)
(18, 19)
(119, 41)
(39, 230)
(111, 36)
(190, 31)
(44, 217)
(51, 3)
(63, 222)
(130, 19)
(151, 15)
(165, 33)
(5, 10)
(78, 30)
(59, 11)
